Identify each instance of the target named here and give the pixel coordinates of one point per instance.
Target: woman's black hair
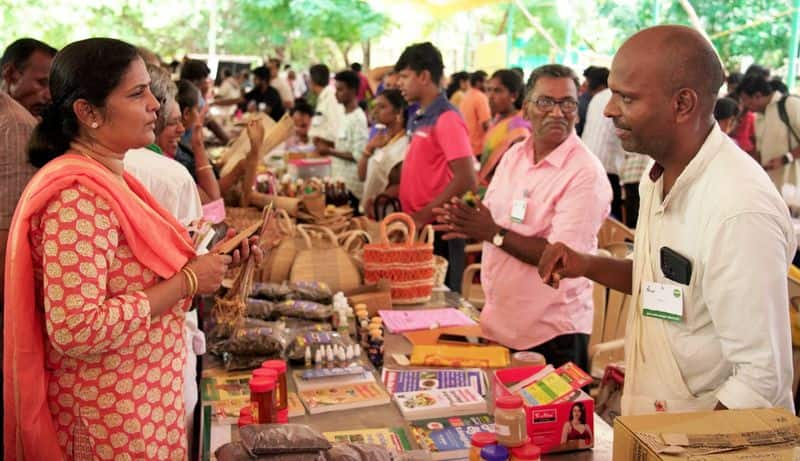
(725, 108)
(513, 83)
(758, 84)
(455, 83)
(583, 412)
(188, 95)
(396, 99)
(87, 69)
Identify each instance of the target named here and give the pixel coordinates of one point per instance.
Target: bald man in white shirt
(708, 324)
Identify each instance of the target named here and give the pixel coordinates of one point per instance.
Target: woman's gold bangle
(204, 167)
(191, 279)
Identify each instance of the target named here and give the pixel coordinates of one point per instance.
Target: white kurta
(733, 343)
(328, 116)
(773, 138)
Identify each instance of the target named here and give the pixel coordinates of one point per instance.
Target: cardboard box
(741, 435)
(548, 424)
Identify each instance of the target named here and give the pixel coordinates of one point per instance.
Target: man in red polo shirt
(439, 164)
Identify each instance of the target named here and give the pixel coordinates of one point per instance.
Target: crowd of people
(104, 166)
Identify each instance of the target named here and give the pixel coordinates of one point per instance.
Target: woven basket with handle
(353, 242)
(409, 265)
(278, 266)
(324, 261)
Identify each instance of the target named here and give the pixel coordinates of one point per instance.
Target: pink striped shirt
(568, 197)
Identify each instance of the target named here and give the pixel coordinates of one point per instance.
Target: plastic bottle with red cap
(245, 417)
(478, 441)
(262, 400)
(281, 396)
(509, 421)
(527, 452)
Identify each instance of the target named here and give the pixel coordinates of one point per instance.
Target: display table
(388, 415)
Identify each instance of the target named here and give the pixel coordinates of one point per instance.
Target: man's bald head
(677, 57)
(664, 81)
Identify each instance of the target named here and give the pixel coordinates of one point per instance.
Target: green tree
(305, 30)
(725, 22)
(310, 29)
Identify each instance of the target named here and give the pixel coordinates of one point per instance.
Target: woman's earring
(94, 125)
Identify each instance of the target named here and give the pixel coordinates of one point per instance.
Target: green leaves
(175, 27)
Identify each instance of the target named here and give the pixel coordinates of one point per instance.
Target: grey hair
(552, 71)
(164, 90)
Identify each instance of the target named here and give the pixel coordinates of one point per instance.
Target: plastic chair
(384, 205)
(471, 291)
(613, 231)
(607, 342)
(619, 249)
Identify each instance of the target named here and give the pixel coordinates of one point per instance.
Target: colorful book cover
(391, 438)
(343, 397)
(296, 407)
(226, 395)
(440, 402)
(419, 380)
(460, 356)
(572, 374)
(449, 438)
(546, 390)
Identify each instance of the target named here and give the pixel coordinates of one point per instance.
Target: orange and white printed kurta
(115, 374)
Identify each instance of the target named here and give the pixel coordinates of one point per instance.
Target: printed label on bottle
(254, 410)
(502, 430)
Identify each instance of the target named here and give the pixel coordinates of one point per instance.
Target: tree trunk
(345, 52)
(366, 47)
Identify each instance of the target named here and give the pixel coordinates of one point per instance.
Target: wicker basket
(409, 266)
(278, 266)
(324, 261)
(241, 218)
(272, 138)
(353, 242)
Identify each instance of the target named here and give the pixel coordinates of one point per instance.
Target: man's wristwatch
(788, 158)
(498, 238)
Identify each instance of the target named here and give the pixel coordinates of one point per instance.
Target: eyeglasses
(568, 106)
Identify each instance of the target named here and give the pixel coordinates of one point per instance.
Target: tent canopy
(444, 8)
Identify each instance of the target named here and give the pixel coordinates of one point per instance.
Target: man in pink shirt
(547, 188)
(476, 111)
(439, 164)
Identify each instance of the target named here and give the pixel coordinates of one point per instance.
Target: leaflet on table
(391, 438)
(416, 380)
(449, 438)
(397, 321)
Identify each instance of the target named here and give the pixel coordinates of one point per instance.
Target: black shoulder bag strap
(784, 116)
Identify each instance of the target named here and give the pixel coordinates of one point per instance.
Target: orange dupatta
(157, 240)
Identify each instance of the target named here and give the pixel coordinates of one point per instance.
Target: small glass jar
(281, 397)
(494, 453)
(527, 452)
(478, 441)
(509, 421)
(262, 400)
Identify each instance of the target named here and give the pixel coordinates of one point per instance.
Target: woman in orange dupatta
(98, 276)
(508, 126)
